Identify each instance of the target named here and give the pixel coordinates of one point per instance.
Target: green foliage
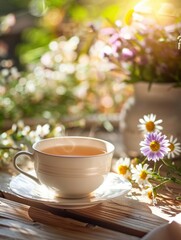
(57, 3)
(21, 137)
(65, 83)
(111, 12)
(13, 6)
(71, 17)
(78, 13)
(31, 50)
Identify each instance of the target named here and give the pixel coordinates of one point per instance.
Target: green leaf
(111, 12)
(78, 13)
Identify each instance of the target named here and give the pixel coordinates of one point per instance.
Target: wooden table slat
(109, 215)
(137, 222)
(18, 221)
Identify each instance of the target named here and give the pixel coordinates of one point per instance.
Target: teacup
(73, 166)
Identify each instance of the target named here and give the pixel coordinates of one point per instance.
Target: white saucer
(114, 186)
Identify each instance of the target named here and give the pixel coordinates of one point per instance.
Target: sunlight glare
(46, 192)
(162, 11)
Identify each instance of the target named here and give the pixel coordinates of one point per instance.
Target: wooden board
(19, 221)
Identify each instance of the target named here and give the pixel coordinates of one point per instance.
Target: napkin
(169, 231)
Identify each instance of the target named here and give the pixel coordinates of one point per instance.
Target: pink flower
(127, 54)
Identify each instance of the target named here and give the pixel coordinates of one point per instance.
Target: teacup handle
(30, 155)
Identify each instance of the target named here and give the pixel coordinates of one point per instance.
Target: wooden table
(129, 217)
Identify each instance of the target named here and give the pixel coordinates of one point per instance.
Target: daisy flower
(155, 146)
(141, 174)
(123, 167)
(149, 123)
(150, 193)
(175, 147)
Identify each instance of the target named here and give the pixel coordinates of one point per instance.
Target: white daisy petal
(158, 121)
(147, 118)
(149, 123)
(175, 147)
(152, 117)
(141, 121)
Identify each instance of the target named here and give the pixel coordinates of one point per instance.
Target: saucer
(113, 186)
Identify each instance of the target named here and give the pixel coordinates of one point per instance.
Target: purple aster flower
(127, 54)
(114, 38)
(108, 31)
(115, 47)
(126, 33)
(155, 146)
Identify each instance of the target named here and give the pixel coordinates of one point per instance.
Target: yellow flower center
(122, 169)
(150, 126)
(172, 147)
(155, 146)
(150, 194)
(143, 175)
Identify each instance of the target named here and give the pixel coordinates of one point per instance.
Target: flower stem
(143, 162)
(162, 183)
(154, 167)
(9, 148)
(171, 166)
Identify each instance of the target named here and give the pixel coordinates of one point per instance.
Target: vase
(163, 100)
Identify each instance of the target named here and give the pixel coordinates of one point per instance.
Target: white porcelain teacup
(73, 166)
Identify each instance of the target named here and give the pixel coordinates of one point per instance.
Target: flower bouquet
(144, 51)
(158, 166)
(145, 55)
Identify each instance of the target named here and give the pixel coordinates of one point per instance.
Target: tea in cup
(73, 166)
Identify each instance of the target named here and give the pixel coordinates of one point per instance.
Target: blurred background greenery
(40, 21)
(50, 70)
(50, 60)
(27, 29)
